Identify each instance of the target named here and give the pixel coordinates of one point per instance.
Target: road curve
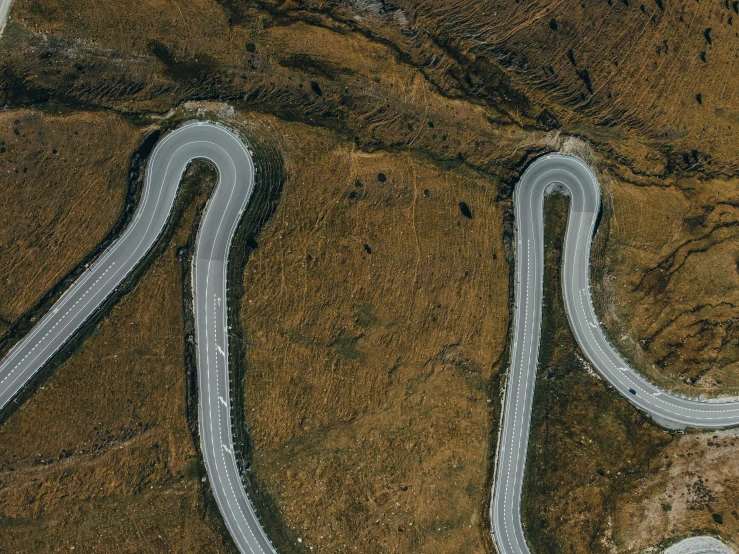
(4, 9)
(201, 140)
(699, 545)
(169, 160)
(574, 177)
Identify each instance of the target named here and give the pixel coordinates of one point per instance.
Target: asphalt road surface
(576, 179)
(4, 9)
(200, 140)
(172, 155)
(699, 545)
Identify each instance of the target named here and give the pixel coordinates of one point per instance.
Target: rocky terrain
(376, 292)
(635, 485)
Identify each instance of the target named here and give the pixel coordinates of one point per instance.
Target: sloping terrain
(635, 484)
(101, 458)
(376, 299)
(361, 429)
(671, 278)
(64, 207)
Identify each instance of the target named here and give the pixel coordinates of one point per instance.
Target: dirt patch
(694, 483)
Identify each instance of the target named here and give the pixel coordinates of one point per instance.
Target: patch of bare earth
(693, 487)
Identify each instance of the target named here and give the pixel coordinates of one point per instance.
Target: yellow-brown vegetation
(375, 311)
(372, 339)
(101, 457)
(671, 280)
(61, 193)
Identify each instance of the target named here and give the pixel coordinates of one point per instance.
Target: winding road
(199, 140)
(575, 177)
(226, 151)
(172, 155)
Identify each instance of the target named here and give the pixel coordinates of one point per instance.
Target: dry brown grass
(367, 389)
(101, 457)
(603, 478)
(383, 419)
(466, 302)
(62, 192)
(587, 445)
(672, 279)
(693, 478)
(633, 64)
(365, 89)
(190, 27)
